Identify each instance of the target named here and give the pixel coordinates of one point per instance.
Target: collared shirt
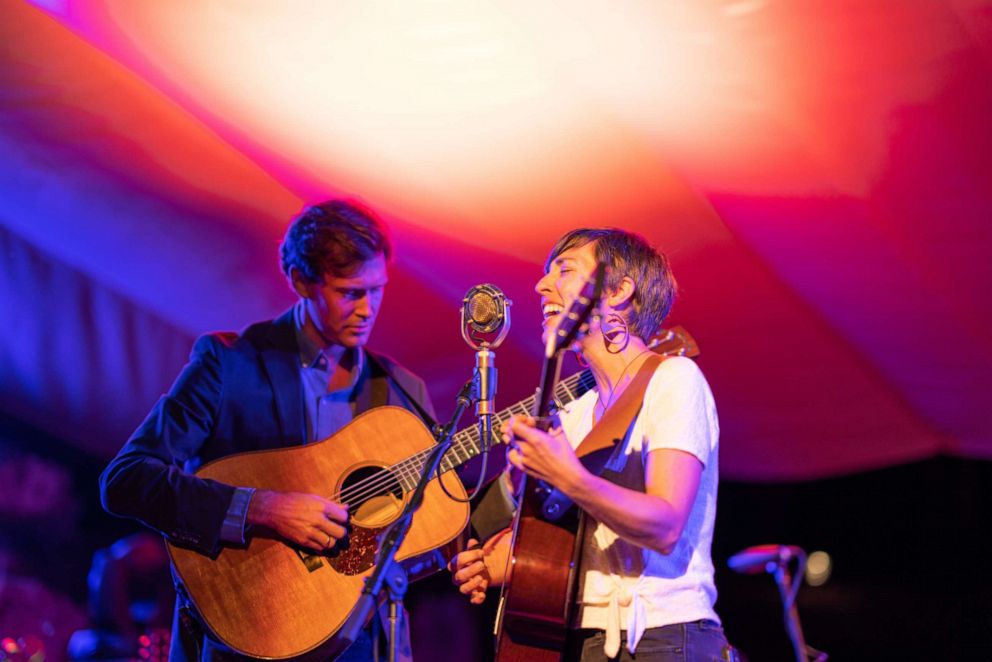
(327, 411)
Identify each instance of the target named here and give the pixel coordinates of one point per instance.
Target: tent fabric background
(833, 250)
(820, 174)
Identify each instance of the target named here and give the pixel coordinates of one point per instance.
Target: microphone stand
(484, 391)
(388, 572)
(783, 578)
(787, 590)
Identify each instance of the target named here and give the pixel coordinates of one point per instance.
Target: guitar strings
(384, 481)
(389, 478)
(380, 483)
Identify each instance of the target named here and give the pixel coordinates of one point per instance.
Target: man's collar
(311, 354)
(309, 350)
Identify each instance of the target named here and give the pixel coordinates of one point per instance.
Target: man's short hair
(333, 239)
(629, 254)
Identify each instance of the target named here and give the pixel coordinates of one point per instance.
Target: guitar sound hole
(375, 496)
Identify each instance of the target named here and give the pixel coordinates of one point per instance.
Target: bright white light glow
(440, 108)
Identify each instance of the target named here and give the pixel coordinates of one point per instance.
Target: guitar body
(538, 602)
(272, 600)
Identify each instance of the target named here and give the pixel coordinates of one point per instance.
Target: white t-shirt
(627, 587)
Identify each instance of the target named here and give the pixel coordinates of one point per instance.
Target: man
(293, 380)
(646, 577)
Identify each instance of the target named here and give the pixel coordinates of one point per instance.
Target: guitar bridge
(310, 561)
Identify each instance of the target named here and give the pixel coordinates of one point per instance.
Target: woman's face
(563, 283)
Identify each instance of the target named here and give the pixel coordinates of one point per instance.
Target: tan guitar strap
(604, 439)
(612, 428)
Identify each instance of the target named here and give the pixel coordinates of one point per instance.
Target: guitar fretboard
(467, 443)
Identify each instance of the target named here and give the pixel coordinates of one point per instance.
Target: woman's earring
(616, 333)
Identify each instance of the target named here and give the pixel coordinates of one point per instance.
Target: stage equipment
(485, 323)
(776, 560)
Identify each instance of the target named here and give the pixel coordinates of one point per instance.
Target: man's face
(343, 310)
(563, 283)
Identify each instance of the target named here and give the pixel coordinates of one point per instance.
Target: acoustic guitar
(272, 600)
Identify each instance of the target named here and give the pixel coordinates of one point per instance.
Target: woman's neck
(613, 371)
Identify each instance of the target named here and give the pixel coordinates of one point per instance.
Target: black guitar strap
(378, 390)
(372, 389)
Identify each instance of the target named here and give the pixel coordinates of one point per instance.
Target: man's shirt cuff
(233, 529)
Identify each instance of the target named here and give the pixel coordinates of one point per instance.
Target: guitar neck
(467, 443)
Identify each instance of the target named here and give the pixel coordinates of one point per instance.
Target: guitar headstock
(575, 320)
(674, 342)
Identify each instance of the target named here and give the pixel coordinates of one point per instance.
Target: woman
(646, 579)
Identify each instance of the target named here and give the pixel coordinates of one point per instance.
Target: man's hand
(479, 567)
(304, 519)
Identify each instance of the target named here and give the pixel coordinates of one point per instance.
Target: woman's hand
(547, 456)
(481, 566)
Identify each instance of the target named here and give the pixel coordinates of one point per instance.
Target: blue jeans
(699, 641)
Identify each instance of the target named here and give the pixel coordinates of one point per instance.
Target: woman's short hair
(629, 254)
(333, 239)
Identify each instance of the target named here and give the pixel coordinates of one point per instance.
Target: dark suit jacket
(237, 393)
